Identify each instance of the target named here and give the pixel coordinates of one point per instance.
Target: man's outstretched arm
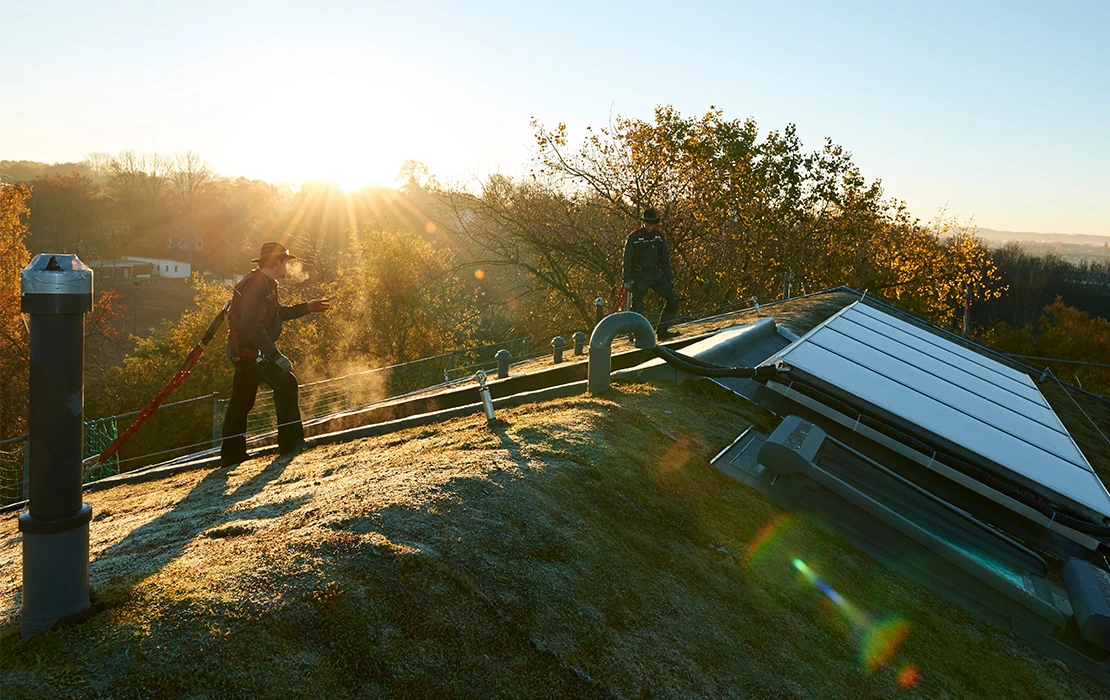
(316, 306)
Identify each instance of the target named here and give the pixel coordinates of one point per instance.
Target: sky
(996, 112)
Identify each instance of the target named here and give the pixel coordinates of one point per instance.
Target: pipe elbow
(623, 322)
(601, 341)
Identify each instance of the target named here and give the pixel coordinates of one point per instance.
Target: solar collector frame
(949, 397)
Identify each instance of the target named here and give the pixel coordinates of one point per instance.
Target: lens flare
(480, 274)
(766, 536)
(879, 640)
(429, 227)
(908, 676)
(675, 457)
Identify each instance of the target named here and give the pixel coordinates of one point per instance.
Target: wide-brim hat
(272, 249)
(651, 216)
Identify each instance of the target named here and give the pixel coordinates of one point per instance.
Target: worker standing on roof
(647, 265)
(254, 323)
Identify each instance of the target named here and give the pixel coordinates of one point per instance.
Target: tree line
(427, 267)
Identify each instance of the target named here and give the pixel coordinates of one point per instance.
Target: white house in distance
(171, 269)
(111, 270)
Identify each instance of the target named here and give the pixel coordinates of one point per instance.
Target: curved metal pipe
(601, 341)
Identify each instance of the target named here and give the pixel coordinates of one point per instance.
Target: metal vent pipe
(558, 345)
(503, 357)
(601, 341)
(579, 339)
(57, 291)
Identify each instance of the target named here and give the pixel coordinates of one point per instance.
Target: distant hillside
(12, 171)
(1066, 238)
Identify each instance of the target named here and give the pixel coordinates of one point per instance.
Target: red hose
(171, 386)
(620, 300)
(145, 414)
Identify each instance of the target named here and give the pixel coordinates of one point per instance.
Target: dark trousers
(664, 289)
(244, 389)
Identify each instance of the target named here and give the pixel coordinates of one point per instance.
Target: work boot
(297, 447)
(665, 334)
(232, 460)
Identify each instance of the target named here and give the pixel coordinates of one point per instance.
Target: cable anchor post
(483, 391)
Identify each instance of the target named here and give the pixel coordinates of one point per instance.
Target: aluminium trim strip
(944, 470)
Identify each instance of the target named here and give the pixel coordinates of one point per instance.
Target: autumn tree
(65, 215)
(398, 301)
(1065, 333)
(541, 253)
(14, 351)
(743, 212)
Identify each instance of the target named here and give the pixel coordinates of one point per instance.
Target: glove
(283, 362)
(628, 286)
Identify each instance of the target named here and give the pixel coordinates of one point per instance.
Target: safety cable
(1092, 422)
(91, 462)
(1058, 359)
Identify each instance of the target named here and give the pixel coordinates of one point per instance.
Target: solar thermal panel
(952, 392)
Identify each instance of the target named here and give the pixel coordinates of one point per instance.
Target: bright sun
(327, 125)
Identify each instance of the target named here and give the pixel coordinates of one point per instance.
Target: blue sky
(995, 110)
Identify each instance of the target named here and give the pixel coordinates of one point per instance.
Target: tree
(138, 185)
(742, 213)
(1065, 333)
(190, 175)
(99, 166)
(971, 274)
(65, 215)
(542, 254)
(14, 351)
(400, 302)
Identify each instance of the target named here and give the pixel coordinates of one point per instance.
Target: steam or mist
(294, 271)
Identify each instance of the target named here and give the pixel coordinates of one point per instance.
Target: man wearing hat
(647, 265)
(254, 323)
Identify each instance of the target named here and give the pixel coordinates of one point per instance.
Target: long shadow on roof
(206, 508)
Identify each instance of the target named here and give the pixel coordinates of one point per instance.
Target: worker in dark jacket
(647, 265)
(254, 323)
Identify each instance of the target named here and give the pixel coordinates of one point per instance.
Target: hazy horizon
(988, 110)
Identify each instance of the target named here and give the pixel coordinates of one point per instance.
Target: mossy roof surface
(582, 547)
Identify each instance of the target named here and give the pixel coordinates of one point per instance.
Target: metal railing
(193, 425)
(331, 396)
(14, 469)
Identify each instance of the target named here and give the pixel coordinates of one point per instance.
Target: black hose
(702, 368)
